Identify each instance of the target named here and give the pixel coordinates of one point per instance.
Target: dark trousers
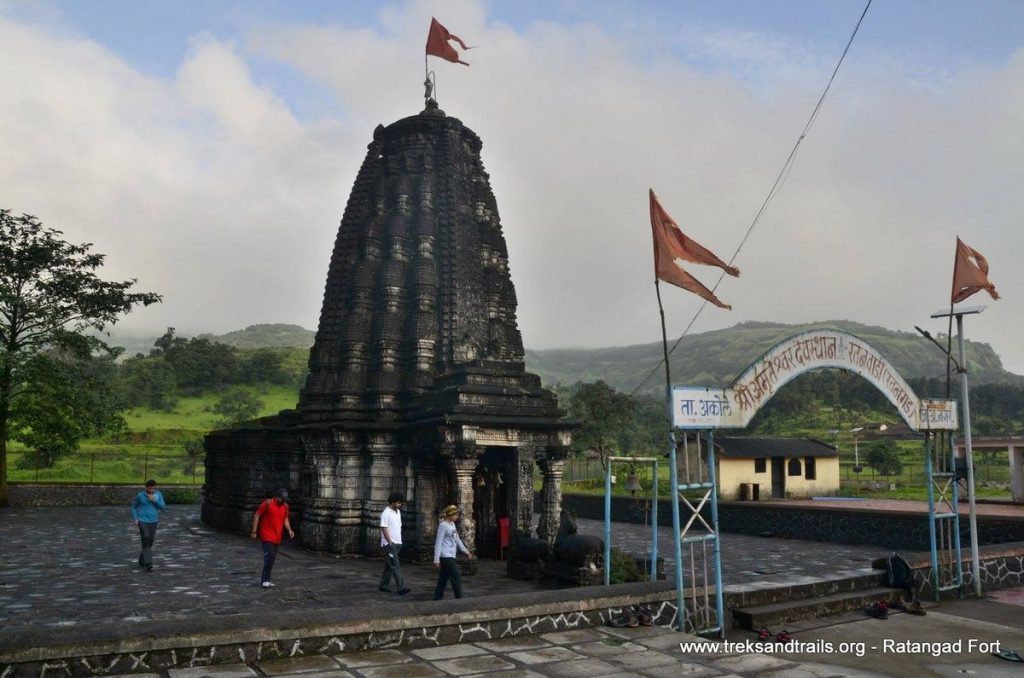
(392, 567)
(269, 554)
(449, 572)
(147, 531)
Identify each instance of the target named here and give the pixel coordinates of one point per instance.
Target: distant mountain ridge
(708, 359)
(716, 358)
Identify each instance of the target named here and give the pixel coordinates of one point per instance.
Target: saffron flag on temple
(670, 243)
(438, 43)
(970, 273)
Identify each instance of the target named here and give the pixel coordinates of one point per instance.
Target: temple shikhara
(416, 378)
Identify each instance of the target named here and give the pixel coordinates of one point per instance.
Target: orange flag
(437, 43)
(970, 273)
(670, 243)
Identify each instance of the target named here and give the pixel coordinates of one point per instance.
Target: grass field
(153, 446)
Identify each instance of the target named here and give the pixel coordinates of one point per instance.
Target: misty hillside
(266, 336)
(716, 358)
(707, 359)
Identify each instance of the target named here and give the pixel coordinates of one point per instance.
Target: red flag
(670, 243)
(437, 43)
(970, 273)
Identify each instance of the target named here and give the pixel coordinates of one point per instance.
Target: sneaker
(627, 619)
(384, 589)
(645, 616)
(266, 585)
(783, 637)
(764, 635)
(879, 610)
(402, 592)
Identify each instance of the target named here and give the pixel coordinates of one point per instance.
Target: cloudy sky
(208, 148)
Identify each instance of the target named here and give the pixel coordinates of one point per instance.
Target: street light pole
(965, 406)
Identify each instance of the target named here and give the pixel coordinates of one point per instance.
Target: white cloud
(210, 190)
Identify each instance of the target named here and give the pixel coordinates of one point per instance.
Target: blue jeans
(269, 554)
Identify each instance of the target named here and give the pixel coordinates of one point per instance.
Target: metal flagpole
(673, 474)
(965, 411)
(969, 459)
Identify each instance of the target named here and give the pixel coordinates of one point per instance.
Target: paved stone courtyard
(74, 566)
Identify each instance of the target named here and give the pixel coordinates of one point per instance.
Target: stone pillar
(427, 509)
(463, 468)
(520, 490)
(1016, 472)
(552, 465)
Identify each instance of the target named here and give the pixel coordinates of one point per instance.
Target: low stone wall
(84, 494)
(906, 531)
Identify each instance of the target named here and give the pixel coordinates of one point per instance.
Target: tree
(236, 406)
(194, 453)
(65, 397)
(50, 297)
(884, 457)
(604, 414)
(147, 381)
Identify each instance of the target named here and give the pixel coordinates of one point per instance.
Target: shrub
(623, 568)
(181, 495)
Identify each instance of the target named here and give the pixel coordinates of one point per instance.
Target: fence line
(188, 472)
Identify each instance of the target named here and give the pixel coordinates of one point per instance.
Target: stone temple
(416, 378)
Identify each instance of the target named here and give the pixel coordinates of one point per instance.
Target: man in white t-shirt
(391, 542)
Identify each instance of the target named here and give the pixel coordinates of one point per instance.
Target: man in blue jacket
(146, 509)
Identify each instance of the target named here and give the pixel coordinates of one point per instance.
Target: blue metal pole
(654, 525)
(931, 513)
(956, 515)
(673, 471)
(608, 523)
(717, 548)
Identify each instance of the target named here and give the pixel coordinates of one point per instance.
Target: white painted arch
(734, 407)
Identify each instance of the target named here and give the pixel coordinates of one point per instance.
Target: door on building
(778, 477)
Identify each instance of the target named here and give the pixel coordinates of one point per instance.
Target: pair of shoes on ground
(268, 584)
(633, 617)
(765, 636)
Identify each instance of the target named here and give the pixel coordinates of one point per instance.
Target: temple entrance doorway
(491, 498)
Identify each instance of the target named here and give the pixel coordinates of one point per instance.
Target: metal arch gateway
(696, 408)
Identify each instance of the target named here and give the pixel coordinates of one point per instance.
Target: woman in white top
(444, 553)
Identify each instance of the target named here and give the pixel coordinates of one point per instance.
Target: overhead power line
(780, 181)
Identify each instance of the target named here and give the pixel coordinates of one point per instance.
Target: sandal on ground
(783, 636)
(915, 608)
(1009, 655)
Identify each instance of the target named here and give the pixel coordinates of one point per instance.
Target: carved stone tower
(416, 378)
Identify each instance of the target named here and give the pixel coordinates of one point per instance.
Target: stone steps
(775, 614)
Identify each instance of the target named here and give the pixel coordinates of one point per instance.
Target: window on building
(794, 467)
(760, 465)
(809, 471)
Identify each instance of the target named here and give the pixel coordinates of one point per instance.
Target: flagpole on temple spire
(673, 471)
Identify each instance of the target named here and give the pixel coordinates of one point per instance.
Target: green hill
(716, 358)
(266, 336)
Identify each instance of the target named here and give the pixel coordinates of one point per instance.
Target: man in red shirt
(268, 521)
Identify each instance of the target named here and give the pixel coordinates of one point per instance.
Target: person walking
(269, 522)
(146, 509)
(445, 546)
(391, 542)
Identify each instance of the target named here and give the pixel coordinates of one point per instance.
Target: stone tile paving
(63, 567)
